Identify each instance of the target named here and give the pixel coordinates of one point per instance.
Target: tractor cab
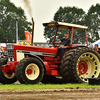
(69, 27)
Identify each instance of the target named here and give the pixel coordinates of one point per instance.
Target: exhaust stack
(32, 31)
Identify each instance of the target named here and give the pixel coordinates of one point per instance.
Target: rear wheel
(80, 64)
(6, 78)
(29, 71)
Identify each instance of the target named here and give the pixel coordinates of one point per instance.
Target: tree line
(76, 15)
(8, 15)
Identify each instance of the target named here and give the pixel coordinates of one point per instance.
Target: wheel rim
(82, 67)
(9, 75)
(88, 66)
(32, 71)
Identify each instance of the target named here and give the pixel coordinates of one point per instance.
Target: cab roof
(63, 25)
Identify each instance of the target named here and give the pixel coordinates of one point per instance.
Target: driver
(66, 42)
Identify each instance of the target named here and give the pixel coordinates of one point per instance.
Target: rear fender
(73, 47)
(79, 46)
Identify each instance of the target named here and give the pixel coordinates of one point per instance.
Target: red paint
(72, 35)
(35, 48)
(3, 47)
(10, 67)
(15, 55)
(51, 69)
(29, 71)
(86, 37)
(82, 67)
(48, 58)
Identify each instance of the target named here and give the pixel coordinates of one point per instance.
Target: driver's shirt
(66, 42)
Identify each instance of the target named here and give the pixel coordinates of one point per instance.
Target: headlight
(10, 46)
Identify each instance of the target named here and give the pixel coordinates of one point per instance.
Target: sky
(43, 11)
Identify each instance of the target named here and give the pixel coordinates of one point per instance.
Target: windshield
(78, 35)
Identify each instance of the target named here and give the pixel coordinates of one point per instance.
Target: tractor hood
(34, 50)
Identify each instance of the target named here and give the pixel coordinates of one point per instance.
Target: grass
(47, 86)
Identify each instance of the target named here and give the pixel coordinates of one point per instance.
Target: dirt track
(51, 94)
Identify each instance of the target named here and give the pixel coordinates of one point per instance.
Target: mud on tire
(29, 71)
(6, 78)
(80, 64)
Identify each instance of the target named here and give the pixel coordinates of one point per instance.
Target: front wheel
(29, 71)
(6, 78)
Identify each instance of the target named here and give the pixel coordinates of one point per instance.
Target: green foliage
(69, 15)
(76, 15)
(93, 22)
(8, 14)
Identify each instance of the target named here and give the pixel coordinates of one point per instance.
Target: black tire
(35, 67)
(80, 64)
(48, 79)
(6, 78)
(3, 60)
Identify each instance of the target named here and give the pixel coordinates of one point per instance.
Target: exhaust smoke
(27, 7)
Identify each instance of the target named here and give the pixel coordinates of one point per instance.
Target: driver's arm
(65, 46)
(57, 42)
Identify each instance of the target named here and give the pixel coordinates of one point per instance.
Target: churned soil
(51, 94)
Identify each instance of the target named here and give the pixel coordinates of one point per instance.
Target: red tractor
(33, 64)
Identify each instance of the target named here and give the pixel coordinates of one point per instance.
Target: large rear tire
(29, 71)
(80, 64)
(6, 78)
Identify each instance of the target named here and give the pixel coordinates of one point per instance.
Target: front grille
(9, 46)
(10, 55)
